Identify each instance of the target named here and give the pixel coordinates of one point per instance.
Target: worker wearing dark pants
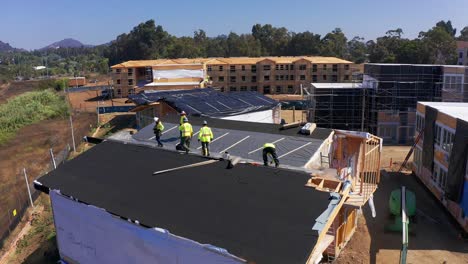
(183, 115)
(205, 136)
(158, 129)
(269, 148)
(186, 134)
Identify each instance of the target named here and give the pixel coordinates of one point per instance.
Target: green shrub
(27, 109)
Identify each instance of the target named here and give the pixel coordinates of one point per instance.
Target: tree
(413, 51)
(394, 33)
(183, 47)
(217, 47)
(463, 34)
(334, 44)
(386, 48)
(305, 43)
(273, 41)
(447, 26)
(441, 45)
(357, 50)
(145, 41)
(201, 41)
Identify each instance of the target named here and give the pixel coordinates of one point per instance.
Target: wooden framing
(323, 233)
(342, 222)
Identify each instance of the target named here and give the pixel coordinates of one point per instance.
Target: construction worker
(158, 129)
(181, 122)
(205, 136)
(270, 149)
(182, 116)
(186, 134)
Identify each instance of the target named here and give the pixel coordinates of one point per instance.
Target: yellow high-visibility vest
(186, 129)
(269, 145)
(205, 134)
(160, 126)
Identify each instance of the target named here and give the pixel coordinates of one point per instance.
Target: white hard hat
(156, 119)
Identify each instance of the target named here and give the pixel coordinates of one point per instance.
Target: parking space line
(163, 132)
(169, 129)
(225, 134)
(296, 149)
(255, 150)
(233, 145)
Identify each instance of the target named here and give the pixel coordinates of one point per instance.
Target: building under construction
(341, 106)
(130, 202)
(385, 102)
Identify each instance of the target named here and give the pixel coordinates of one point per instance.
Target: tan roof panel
(241, 60)
(139, 63)
(462, 44)
(318, 59)
(233, 60)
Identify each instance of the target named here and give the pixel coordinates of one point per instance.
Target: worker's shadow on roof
(434, 229)
(170, 140)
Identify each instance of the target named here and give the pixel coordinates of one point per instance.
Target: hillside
(5, 47)
(65, 43)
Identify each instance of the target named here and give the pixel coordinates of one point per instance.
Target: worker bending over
(158, 129)
(205, 136)
(186, 132)
(270, 149)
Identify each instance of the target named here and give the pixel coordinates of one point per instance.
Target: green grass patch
(29, 108)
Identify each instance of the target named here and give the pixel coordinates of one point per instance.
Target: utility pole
(72, 133)
(52, 158)
(27, 185)
(97, 109)
(363, 108)
(67, 89)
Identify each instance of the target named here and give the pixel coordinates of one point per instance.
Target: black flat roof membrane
(263, 215)
(318, 133)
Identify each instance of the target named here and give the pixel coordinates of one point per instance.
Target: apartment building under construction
(267, 75)
(385, 102)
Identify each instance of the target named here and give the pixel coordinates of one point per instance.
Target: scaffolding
(345, 108)
(385, 104)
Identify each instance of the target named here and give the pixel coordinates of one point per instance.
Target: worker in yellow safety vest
(158, 129)
(181, 122)
(182, 116)
(205, 136)
(270, 149)
(186, 132)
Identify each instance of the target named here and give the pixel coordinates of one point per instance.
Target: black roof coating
(318, 133)
(293, 151)
(261, 214)
(208, 101)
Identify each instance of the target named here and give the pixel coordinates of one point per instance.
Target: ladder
(324, 159)
(411, 150)
(330, 251)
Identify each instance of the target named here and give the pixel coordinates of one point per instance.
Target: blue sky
(32, 24)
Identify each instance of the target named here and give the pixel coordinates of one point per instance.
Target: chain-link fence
(16, 197)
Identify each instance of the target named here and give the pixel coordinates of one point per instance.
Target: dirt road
(434, 237)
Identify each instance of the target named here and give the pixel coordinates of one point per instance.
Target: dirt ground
(87, 101)
(30, 150)
(35, 242)
(36, 245)
(434, 235)
(16, 88)
(291, 116)
(393, 156)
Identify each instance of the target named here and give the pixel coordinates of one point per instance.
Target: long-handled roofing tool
(187, 166)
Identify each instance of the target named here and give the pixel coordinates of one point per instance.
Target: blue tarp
(464, 200)
(207, 101)
(114, 109)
